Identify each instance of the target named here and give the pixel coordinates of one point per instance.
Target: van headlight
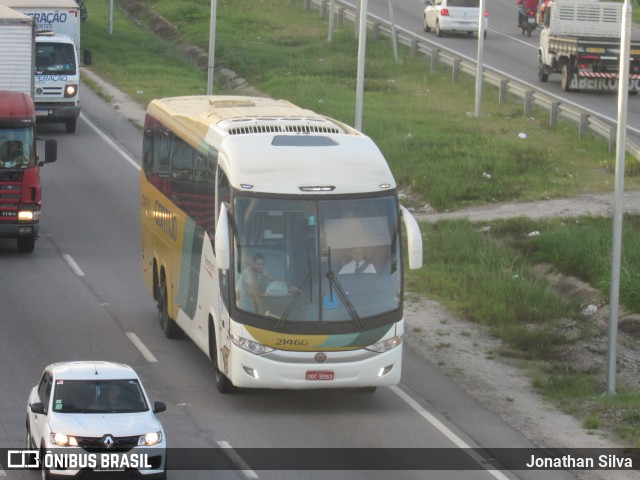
(149, 439)
(250, 345)
(62, 440)
(70, 90)
(385, 345)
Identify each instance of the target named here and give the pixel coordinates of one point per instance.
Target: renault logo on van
(320, 357)
(108, 441)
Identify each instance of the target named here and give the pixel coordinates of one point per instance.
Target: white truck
(580, 40)
(57, 59)
(17, 51)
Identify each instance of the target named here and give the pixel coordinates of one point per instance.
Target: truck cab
(57, 80)
(20, 190)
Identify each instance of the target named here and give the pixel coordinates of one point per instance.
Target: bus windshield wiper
(296, 295)
(335, 283)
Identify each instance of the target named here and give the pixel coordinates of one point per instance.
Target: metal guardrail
(530, 95)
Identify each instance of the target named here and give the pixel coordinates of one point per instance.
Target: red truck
(20, 190)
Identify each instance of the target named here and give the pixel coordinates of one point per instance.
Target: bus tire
(170, 328)
(223, 384)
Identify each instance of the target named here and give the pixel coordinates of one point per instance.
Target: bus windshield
(16, 148)
(316, 260)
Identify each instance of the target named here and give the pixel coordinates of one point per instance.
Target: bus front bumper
(300, 370)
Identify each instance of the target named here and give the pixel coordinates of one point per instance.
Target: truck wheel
(543, 76)
(171, 329)
(70, 125)
(26, 245)
(566, 77)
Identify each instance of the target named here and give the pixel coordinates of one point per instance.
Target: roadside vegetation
(442, 157)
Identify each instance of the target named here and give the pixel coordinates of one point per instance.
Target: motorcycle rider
(525, 7)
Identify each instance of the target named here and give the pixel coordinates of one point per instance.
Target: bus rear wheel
(170, 328)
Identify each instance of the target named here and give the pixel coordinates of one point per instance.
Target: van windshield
(55, 59)
(92, 396)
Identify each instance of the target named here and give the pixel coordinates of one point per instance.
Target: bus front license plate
(319, 375)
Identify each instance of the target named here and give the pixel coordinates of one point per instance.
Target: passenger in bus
(252, 283)
(357, 264)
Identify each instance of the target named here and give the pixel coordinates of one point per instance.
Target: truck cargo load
(17, 38)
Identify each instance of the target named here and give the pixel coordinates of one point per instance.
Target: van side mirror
(86, 56)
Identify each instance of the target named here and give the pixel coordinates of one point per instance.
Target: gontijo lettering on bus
(165, 220)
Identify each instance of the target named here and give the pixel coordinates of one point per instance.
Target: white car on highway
(84, 417)
(453, 16)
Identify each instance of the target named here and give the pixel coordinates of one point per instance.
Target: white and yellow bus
(234, 185)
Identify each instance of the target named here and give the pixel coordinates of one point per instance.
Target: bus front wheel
(223, 384)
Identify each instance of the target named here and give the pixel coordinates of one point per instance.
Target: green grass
(440, 155)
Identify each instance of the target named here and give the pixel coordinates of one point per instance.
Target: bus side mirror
(414, 239)
(50, 151)
(222, 239)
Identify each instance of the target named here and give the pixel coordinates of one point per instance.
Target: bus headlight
(250, 345)
(385, 345)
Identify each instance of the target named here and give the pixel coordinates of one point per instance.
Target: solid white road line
(457, 441)
(115, 146)
(146, 353)
(73, 265)
(237, 460)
